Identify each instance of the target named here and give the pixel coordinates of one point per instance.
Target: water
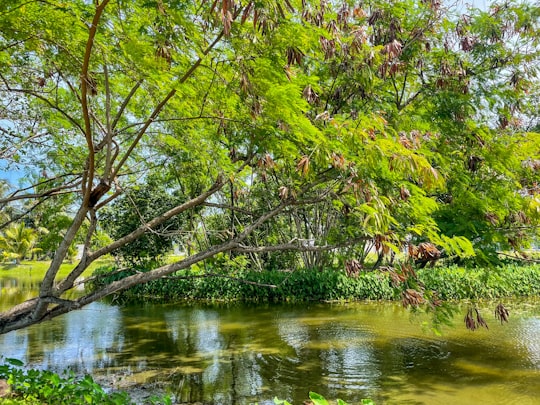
(241, 354)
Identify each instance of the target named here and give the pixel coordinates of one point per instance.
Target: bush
(235, 282)
(454, 282)
(45, 387)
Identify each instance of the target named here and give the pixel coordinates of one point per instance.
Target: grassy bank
(29, 272)
(308, 285)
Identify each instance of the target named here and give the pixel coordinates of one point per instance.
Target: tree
(267, 114)
(18, 242)
(133, 209)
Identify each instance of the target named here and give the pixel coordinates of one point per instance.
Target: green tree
(134, 209)
(17, 242)
(276, 122)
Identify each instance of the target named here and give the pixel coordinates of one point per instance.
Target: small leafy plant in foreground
(41, 386)
(318, 399)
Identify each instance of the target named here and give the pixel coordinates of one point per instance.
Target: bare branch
(52, 191)
(124, 104)
(300, 245)
(68, 282)
(45, 99)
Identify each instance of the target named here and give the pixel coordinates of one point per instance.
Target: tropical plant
(17, 242)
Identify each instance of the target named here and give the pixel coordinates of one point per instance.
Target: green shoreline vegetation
(241, 284)
(450, 283)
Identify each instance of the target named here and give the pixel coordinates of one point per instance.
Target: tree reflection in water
(232, 353)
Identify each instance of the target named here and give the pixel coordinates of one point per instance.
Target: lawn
(33, 271)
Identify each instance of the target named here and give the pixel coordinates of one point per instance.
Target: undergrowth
(241, 284)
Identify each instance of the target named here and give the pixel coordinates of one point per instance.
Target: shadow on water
(240, 354)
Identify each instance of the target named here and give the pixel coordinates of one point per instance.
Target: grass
(33, 271)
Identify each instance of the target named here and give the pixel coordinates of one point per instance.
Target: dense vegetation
(450, 283)
(291, 134)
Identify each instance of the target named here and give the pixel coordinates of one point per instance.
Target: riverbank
(450, 283)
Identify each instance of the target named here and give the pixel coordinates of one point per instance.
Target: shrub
(45, 387)
(232, 280)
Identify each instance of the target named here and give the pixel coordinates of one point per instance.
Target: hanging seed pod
(501, 313)
(480, 320)
(470, 323)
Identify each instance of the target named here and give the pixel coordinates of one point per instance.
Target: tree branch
(85, 82)
(125, 103)
(162, 104)
(45, 99)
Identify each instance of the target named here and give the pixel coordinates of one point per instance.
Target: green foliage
(30, 386)
(365, 124)
(453, 283)
(47, 387)
(132, 211)
(272, 286)
(239, 283)
(18, 241)
(318, 399)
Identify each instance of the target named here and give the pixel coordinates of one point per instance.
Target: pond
(242, 354)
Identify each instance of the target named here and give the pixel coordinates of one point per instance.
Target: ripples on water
(243, 353)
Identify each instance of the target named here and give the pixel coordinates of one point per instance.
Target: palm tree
(18, 241)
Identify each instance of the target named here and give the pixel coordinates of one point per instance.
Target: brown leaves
(353, 268)
(163, 51)
(467, 43)
(474, 163)
(427, 250)
(337, 160)
(375, 16)
(501, 313)
(226, 14)
(303, 165)
(404, 193)
(343, 15)
(247, 12)
(471, 323)
(492, 217)
(411, 140)
(393, 49)
(266, 162)
(294, 56)
(411, 297)
(283, 192)
(359, 38)
(473, 320)
(310, 95)
(391, 65)
(359, 13)
(328, 47)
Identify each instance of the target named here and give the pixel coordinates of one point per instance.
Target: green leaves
(48, 387)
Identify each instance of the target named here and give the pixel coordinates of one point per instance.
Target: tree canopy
(257, 127)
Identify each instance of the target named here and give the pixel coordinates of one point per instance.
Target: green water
(241, 354)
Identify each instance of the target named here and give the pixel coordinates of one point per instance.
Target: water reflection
(227, 354)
